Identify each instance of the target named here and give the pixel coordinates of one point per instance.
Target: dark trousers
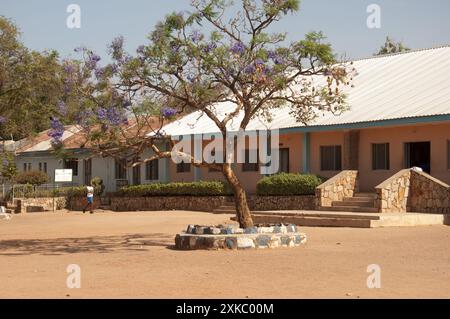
(90, 205)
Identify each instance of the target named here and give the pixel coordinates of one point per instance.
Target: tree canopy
(31, 86)
(390, 46)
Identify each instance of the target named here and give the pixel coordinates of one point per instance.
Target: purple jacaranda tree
(196, 61)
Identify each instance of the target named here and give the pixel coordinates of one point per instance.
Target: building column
(166, 166)
(306, 153)
(198, 150)
(351, 150)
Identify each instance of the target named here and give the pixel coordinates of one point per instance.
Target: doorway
(418, 154)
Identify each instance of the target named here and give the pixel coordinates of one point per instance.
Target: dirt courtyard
(130, 255)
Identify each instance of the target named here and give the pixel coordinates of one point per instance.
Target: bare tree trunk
(240, 198)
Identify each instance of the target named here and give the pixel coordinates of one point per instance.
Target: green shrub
(32, 178)
(202, 188)
(97, 183)
(288, 184)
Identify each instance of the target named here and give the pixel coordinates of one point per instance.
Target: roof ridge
(401, 53)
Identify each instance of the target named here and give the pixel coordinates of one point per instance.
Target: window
(250, 167)
(380, 156)
(330, 158)
(448, 154)
(120, 169)
(26, 167)
(72, 164)
(183, 167)
(152, 170)
(43, 167)
(284, 160)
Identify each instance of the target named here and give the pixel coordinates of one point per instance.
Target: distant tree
(9, 168)
(391, 46)
(32, 85)
(235, 58)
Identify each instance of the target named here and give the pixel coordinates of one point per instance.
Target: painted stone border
(219, 237)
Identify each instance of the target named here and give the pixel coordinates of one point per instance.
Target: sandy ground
(130, 255)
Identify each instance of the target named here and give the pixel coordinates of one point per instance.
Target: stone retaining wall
(195, 203)
(428, 194)
(304, 202)
(25, 205)
(413, 191)
(393, 193)
(78, 203)
(344, 184)
(209, 203)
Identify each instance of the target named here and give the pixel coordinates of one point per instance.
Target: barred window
(380, 156)
(72, 164)
(331, 158)
(120, 169)
(152, 170)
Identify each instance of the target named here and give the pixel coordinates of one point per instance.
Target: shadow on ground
(97, 244)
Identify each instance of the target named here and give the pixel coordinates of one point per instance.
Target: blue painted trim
(362, 125)
(306, 152)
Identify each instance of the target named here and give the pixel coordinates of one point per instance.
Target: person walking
(90, 199)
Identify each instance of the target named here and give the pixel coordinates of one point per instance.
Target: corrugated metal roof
(405, 85)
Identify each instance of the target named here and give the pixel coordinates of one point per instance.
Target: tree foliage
(31, 86)
(390, 47)
(218, 53)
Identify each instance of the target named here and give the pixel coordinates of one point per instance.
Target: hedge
(28, 191)
(201, 188)
(32, 177)
(288, 184)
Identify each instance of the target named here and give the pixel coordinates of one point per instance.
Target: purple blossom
(84, 117)
(101, 113)
(56, 130)
(168, 112)
(116, 48)
(196, 36)
(277, 59)
(114, 116)
(259, 62)
(99, 72)
(175, 48)
(91, 63)
(117, 43)
(62, 108)
(80, 49)
(210, 46)
(68, 67)
(238, 48)
(2, 120)
(250, 69)
(140, 49)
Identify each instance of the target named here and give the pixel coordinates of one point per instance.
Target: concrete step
(313, 221)
(359, 199)
(353, 203)
(224, 211)
(371, 195)
(318, 214)
(356, 209)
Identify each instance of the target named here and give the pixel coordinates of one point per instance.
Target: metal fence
(10, 192)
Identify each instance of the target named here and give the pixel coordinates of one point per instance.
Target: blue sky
(418, 23)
